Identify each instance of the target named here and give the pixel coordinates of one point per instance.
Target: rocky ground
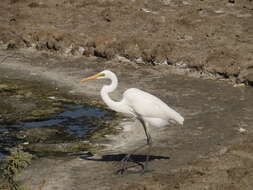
(209, 36)
(64, 40)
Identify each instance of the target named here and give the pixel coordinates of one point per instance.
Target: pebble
(242, 130)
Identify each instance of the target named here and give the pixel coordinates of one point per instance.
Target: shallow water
(71, 119)
(77, 121)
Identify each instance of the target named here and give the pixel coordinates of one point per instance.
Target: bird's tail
(180, 119)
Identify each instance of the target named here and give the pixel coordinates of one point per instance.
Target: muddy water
(44, 121)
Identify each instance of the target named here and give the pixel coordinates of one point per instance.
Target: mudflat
(164, 47)
(210, 151)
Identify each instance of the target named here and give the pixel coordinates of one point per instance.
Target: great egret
(145, 107)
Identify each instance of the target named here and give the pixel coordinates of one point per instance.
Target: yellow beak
(90, 78)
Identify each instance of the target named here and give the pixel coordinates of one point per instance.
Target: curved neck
(110, 88)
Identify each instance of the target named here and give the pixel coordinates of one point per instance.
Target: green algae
(45, 112)
(23, 101)
(58, 148)
(13, 165)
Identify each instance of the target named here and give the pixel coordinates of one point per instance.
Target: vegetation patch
(13, 165)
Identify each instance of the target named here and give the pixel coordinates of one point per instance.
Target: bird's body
(150, 108)
(154, 111)
(145, 107)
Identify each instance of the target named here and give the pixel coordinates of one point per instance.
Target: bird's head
(102, 75)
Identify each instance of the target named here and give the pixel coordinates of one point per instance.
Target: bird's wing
(148, 105)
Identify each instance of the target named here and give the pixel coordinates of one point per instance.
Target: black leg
(127, 157)
(149, 143)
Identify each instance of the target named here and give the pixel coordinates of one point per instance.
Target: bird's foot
(121, 171)
(123, 164)
(132, 168)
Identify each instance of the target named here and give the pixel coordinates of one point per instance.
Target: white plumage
(145, 107)
(152, 109)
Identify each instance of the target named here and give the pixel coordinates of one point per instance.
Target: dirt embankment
(211, 36)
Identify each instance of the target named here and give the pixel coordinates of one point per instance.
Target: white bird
(145, 107)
